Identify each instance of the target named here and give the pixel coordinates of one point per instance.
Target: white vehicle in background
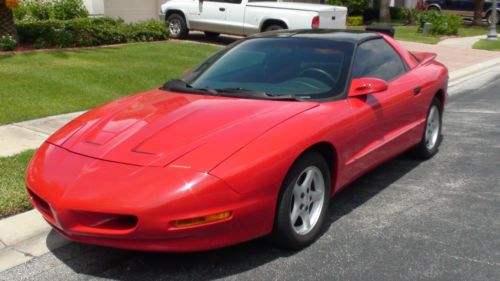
(246, 17)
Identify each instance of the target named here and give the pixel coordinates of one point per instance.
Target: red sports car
(253, 142)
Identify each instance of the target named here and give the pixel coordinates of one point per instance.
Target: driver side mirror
(366, 86)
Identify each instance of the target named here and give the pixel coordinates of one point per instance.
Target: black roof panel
(351, 36)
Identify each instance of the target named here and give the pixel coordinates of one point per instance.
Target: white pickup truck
(246, 17)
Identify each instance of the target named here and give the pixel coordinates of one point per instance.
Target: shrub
(150, 30)
(69, 9)
(7, 43)
(442, 24)
(88, 32)
(37, 9)
(50, 9)
(354, 20)
(354, 7)
(411, 15)
(397, 13)
(20, 12)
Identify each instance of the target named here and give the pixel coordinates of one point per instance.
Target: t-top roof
(351, 36)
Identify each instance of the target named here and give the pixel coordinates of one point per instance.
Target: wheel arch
(488, 12)
(329, 152)
(440, 96)
(268, 22)
(436, 6)
(176, 11)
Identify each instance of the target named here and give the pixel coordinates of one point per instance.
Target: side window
(377, 59)
(233, 1)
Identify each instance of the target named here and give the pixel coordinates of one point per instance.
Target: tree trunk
(7, 26)
(478, 12)
(385, 15)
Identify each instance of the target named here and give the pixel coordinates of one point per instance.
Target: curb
(27, 235)
(24, 237)
(457, 76)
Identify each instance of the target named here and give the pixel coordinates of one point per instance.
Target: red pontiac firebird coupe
(252, 142)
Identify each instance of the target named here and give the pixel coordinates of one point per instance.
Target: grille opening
(104, 221)
(41, 204)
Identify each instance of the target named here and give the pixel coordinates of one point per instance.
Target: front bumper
(124, 206)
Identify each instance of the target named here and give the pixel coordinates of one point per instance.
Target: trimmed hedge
(355, 20)
(88, 32)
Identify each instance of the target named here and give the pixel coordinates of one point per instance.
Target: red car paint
(122, 174)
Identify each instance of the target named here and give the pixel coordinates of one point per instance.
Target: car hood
(160, 128)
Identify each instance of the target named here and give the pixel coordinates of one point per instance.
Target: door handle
(417, 90)
(222, 9)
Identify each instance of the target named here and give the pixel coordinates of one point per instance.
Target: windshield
(300, 67)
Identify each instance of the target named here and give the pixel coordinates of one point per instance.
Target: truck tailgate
(335, 18)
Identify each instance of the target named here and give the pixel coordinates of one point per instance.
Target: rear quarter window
(377, 59)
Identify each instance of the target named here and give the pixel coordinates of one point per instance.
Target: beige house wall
(128, 10)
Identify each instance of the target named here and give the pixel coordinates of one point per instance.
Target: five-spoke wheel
(303, 202)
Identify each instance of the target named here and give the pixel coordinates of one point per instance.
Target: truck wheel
(274, 27)
(211, 34)
(177, 26)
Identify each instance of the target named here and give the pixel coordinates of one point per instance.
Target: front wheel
(303, 202)
(432, 137)
(177, 26)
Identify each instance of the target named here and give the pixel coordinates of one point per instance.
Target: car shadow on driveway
(119, 264)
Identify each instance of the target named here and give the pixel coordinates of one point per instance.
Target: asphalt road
(407, 220)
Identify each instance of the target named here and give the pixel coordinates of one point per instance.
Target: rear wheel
(432, 137)
(303, 202)
(177, 26)
(211, 34)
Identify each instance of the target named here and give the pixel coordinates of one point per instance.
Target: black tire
(211, 34)
(423, 150)
(488, 19)
(273, 27)
(179, 30)
(283, 234)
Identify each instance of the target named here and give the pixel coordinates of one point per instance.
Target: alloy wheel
(307, 200)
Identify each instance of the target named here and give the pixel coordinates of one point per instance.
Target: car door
(396, 121)
(235, 14)
(208, 15)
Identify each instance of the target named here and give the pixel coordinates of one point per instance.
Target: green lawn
(13, 198)
(474, 31)
(40, 84)
(487, 45)
(409, 33)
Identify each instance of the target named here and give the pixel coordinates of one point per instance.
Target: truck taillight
(315, 22)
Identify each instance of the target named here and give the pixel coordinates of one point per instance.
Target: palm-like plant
(7, 26)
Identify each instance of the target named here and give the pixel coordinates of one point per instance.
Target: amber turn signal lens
(203, 220)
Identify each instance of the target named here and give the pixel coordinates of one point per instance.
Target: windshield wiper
(178, 85)
(241, 92)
